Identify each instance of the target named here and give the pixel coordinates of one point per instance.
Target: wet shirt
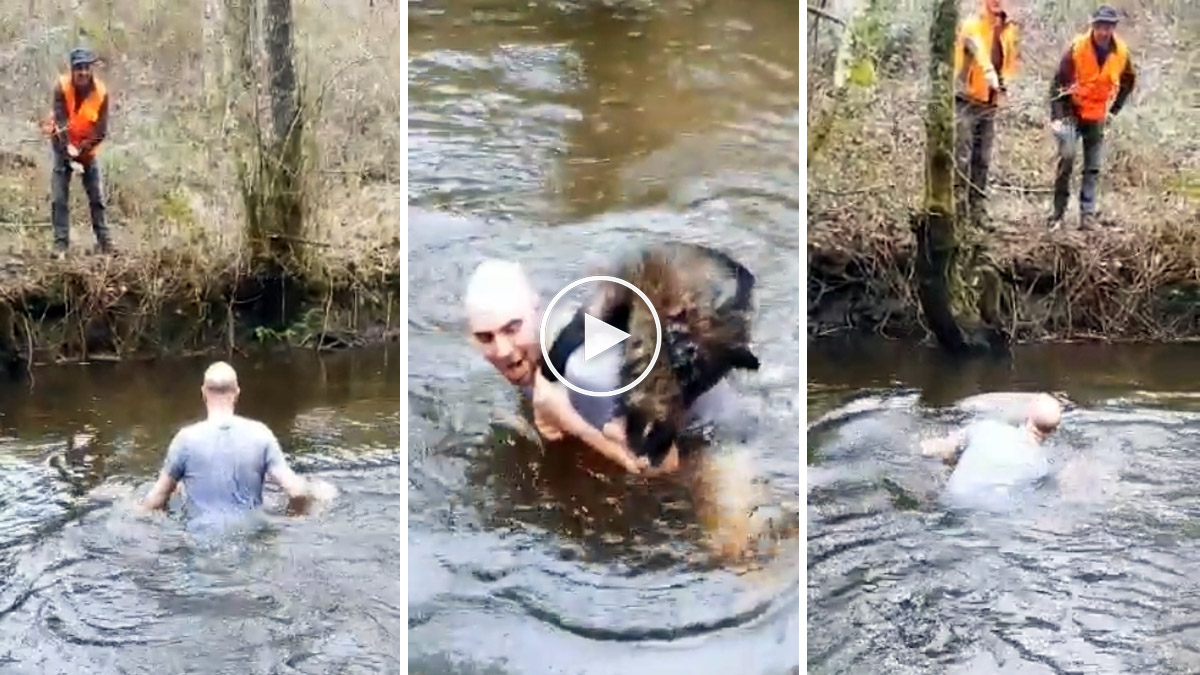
(603, 373)
(999, 461)
(222, 464)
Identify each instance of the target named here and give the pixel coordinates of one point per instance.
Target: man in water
(224, 460)
(504, 316)
(992, 458)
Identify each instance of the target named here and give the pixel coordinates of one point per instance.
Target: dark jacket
(1060, 102)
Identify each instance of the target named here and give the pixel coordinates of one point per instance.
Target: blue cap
(1106, 14)
(82, 57)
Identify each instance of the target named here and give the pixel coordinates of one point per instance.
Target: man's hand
(72, 151)
(945, 448)
(1056, 127)
(545, 428)
(993, 80)
(553, 411)
(321, 490)
(615, 429)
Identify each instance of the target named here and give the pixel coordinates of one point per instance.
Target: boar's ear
(743, 358)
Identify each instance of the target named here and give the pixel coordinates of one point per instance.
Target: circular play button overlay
(599, 337)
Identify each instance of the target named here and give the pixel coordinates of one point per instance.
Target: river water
(87, 587)
(1099, 572)
(560, 135)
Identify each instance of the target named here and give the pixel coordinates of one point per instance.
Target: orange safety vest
(970, 74)
(81, 122)
(1095, 86)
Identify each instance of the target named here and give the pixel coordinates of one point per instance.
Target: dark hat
(1106, 14)
(82, 57)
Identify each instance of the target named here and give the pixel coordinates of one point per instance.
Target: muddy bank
(149, 304)
(1139, 283)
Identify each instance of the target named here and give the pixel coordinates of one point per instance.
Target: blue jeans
(1092, 134)
(60, 192)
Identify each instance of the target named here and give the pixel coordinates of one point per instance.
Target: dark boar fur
(706, 334)
(704, 301)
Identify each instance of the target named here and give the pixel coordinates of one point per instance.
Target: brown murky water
(1096, 572)
(87, 588)
(560, 134)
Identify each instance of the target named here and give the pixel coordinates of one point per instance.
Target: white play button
(598, 336)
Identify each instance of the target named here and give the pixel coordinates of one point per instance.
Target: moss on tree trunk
(948, 302)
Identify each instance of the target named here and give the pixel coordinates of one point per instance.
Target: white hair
(220, 377)
(497, 285)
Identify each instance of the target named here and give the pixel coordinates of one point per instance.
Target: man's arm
(172, 472)
(981, 54)
(58, 138)
(1128, 81)
(160, 494)
(100, 131)
(1060, 87)
(550, 400)
(300, 492)
(946, 448)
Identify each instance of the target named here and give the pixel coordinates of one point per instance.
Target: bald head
(220, 378)
(1044, 414)
(498, 292)
(502, 314)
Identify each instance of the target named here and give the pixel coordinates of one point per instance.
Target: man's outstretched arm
(168, 478)
(948, 448)
(301, 492)
(160, 494)
(552, 404)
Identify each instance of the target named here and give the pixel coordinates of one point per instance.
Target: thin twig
(822, 14)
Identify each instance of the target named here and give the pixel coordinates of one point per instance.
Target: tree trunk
(285, 204)
(214, 68)
(276, 233)
(945, 297)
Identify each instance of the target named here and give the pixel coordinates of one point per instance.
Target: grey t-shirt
(222, 464)
(999, 461)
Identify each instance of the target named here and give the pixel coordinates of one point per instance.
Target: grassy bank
(183, 282)
(1136, 278)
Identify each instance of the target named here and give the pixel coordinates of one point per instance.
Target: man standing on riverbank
(985, 61)
(1095, 70)
(224, 460)
(78, 125)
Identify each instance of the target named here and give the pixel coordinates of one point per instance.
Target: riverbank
(1132, 282)
(149, 302)
(1135, 278)
(182, 282)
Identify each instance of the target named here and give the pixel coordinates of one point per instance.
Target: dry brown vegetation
(1136, 278)
(174, 199)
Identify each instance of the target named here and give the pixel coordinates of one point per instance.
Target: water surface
(87, 588)
(1097, 573)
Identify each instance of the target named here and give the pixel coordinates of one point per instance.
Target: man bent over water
(992, 458)
(224, 460)
(504, 313)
